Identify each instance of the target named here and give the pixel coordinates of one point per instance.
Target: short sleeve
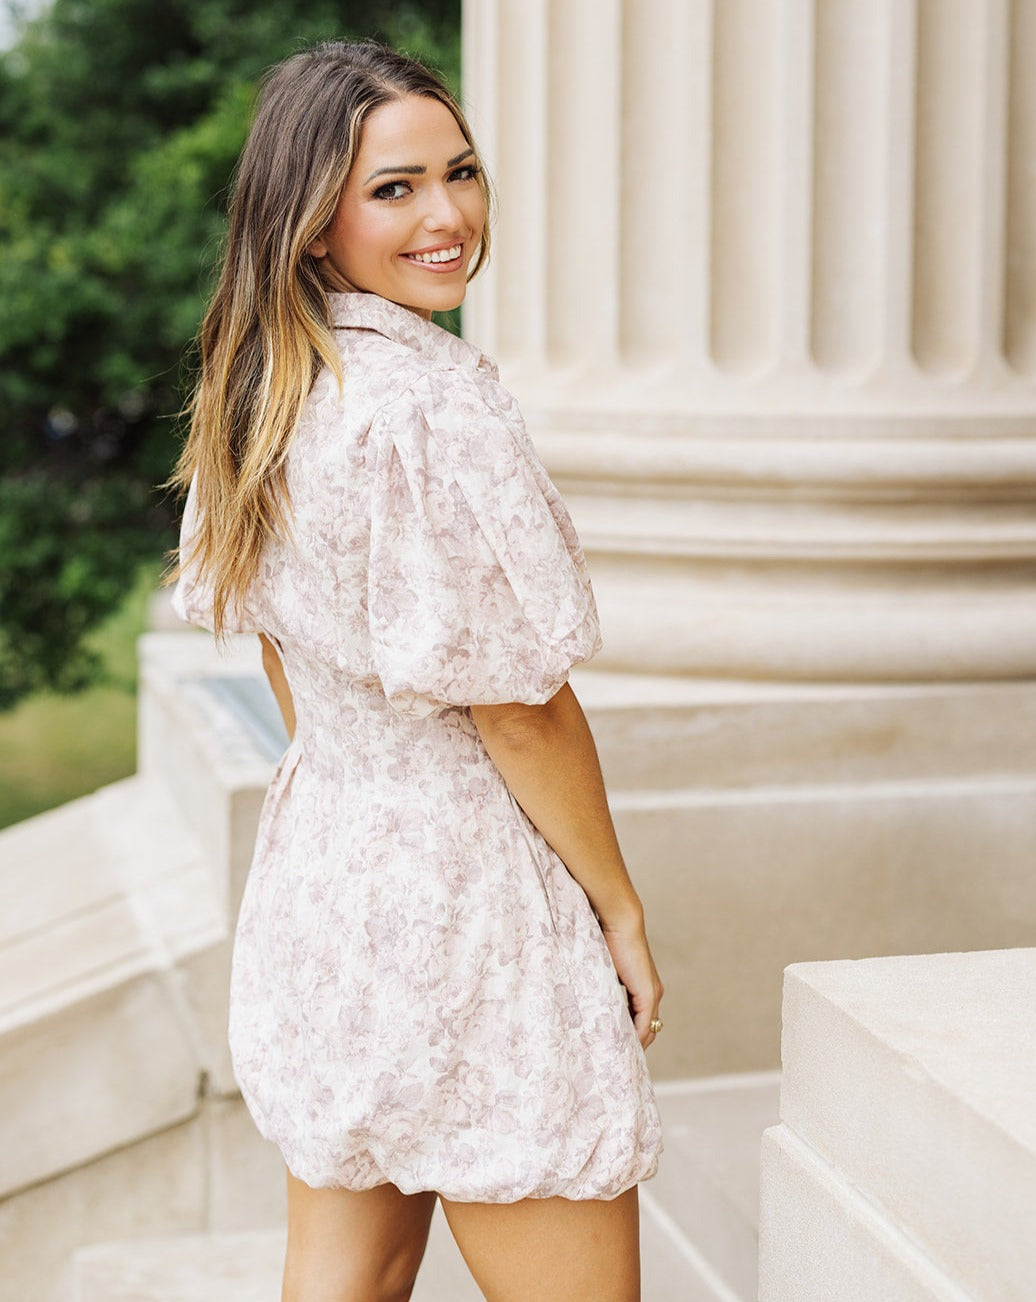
(192, 596)
(478, 592)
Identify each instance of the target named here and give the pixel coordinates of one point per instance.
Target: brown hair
(268, 329)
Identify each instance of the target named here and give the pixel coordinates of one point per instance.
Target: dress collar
(357, 311)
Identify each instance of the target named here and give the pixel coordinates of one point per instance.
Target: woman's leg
(551, 1249)
(354, 1247)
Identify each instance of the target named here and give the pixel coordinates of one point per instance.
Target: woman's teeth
(441, 255)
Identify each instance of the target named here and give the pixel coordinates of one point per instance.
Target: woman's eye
(392, 190)
(466, 173)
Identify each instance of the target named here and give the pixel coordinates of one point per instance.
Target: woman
(424, 998)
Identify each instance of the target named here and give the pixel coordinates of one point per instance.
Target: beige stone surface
(204, 977)
(660, 734)
(244, 1172)
(154, 1186)
(767, 824)
(823, 1239)
(243, 1267)
(737, 888)
(102, 1073)
(708, 1182)
(912, 1078)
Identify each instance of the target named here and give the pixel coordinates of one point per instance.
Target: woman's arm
(274, 671)
(547, 757)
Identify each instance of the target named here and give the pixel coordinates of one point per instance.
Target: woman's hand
(628, 946)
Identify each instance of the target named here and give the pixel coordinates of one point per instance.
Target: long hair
(268, 329)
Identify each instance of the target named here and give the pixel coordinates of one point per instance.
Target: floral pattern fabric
(420, 991)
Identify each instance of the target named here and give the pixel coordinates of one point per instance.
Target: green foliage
(67, 553)
(120, 123)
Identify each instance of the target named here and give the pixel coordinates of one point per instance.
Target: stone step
(181, 1268)
(908, 1133)
(698, 1223)
(246, 1267)
(242, 1267)
(707, 1190)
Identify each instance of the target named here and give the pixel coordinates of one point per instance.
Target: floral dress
(420, 991)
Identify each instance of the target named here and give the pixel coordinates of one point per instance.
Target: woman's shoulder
(454, 416)
(393, 357)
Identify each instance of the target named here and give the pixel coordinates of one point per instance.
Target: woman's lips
(442, 260)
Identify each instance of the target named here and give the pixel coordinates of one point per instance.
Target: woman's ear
(317, 248)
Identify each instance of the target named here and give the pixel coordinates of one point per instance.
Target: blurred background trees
(120, 122)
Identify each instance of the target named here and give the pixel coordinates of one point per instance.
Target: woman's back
(410, 952)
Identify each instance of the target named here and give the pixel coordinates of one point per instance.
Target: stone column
(764, 279)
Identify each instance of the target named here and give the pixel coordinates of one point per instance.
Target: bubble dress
(420, 991)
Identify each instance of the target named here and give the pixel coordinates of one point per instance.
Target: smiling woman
(442, 985)
(412, 237)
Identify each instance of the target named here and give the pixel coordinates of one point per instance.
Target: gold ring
(655, 1025)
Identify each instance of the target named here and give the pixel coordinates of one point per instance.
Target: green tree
(120, 123)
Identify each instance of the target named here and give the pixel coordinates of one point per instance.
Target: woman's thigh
(354, 1247)
(551, 1249)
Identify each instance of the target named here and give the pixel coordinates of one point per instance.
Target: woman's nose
(442, 212)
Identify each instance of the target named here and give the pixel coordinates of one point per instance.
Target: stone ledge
(913, 1077)
(102, 899)
(823, 1240)
(211, 767)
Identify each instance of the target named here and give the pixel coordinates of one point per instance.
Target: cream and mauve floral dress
(420, 991)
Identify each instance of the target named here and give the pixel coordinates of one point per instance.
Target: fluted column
(765, 282)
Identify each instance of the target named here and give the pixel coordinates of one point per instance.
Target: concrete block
(101, 1073)
(822, 1239)
(657, 733)
(739, 884)
(242, 1267)
(913, 1078)
(205, 982)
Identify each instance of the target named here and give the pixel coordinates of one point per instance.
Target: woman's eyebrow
(415, 169)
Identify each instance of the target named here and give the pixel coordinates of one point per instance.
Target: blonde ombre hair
(268, 330)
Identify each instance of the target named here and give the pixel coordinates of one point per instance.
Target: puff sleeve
(477, 586)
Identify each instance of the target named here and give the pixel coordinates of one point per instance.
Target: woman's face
(411, 215)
